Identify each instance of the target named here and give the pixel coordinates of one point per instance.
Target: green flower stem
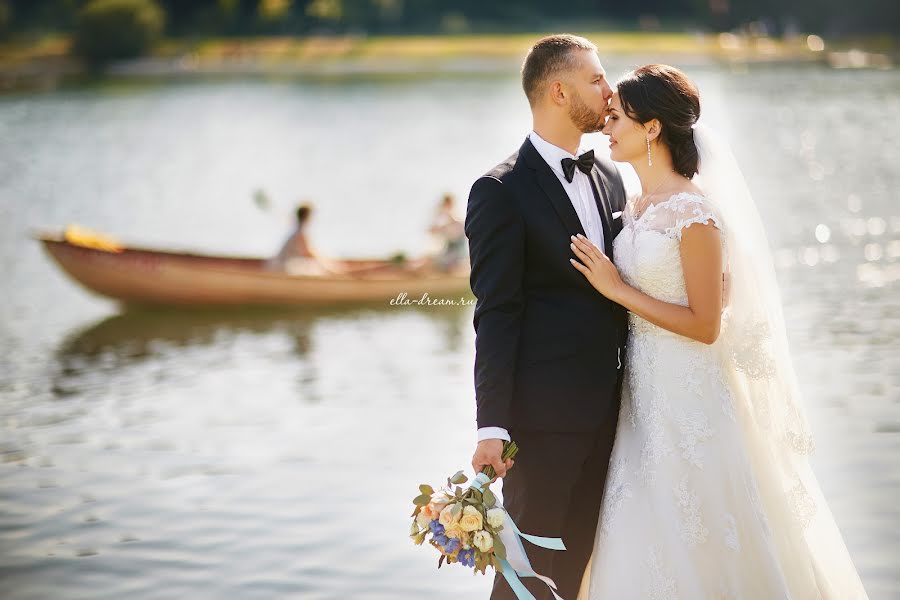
(509, 451)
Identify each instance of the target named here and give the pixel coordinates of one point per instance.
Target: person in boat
(296, 255)
(449, 230)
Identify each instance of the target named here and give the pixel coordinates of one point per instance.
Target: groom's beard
(585, 119)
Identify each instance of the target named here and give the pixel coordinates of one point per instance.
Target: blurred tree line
(183, 18)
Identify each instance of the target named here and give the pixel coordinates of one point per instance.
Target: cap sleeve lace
(672, 216)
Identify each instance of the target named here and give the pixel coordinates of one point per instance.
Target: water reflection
(133, 337)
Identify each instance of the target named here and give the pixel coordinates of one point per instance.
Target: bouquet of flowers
(470, 527)
(464, 524)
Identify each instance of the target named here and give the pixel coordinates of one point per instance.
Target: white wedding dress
(705, 497)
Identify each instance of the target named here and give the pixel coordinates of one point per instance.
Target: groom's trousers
(555, 490)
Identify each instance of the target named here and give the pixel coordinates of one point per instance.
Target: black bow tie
(585, 163)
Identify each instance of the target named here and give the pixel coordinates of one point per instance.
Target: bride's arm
(701, 260)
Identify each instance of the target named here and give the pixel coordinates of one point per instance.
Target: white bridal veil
(753, 347)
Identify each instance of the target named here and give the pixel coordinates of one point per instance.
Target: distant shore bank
(45, 63)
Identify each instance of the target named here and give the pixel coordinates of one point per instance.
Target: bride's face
(627, 137)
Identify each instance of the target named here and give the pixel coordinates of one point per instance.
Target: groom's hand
(489, 452)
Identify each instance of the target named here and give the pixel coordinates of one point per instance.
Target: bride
(710, 493)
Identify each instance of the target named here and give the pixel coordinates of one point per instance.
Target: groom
(548, 347)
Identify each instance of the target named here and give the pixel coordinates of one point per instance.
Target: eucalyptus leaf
(499, 548)
(422, 500)
(426, 489)
(496, 563)
(481, 561)
(489, 499)
(459, 478)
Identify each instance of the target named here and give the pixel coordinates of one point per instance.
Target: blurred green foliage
(303, 17)
(5, 18)
(107, 30)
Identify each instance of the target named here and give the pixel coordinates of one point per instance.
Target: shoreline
(45, 64)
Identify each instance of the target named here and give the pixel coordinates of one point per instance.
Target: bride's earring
(649, 159)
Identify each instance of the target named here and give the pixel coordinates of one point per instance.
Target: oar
(262, 201)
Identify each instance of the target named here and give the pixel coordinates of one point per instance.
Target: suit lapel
(560, 200)
(599, 185)
(553, 189)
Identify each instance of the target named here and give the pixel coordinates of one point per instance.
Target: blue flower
(466, 557)
(440, 539)
(452, 546)
(436, 527)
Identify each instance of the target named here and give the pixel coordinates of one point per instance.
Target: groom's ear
(557, 92)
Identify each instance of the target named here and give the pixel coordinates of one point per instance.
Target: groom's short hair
(550, 55)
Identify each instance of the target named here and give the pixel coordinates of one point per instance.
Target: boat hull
(159, 278)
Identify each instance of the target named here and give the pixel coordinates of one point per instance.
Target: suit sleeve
(496, 234)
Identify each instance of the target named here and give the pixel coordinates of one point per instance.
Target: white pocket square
(617, 214)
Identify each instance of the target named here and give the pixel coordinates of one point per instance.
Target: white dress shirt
(579, 191)
(582, 197)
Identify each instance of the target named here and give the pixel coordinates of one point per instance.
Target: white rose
(483, 541)
(439, 500)
(496, 517)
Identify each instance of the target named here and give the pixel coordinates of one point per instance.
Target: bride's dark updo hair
(665, 93)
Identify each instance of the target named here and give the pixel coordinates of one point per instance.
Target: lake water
(273, 454)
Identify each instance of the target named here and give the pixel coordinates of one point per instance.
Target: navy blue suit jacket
(548, 345)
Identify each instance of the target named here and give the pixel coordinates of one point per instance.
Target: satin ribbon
(516, 563)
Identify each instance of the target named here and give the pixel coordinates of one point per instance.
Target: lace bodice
(647, 251)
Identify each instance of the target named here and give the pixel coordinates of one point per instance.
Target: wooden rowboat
(143, 276)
